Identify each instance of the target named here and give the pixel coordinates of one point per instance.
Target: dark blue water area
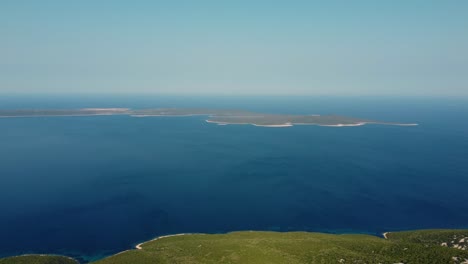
(93, 186)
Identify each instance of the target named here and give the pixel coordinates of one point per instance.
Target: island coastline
(415, 244)
(220, 116)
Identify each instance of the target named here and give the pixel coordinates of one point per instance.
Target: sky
(290, 47)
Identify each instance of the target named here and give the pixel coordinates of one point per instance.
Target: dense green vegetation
(443, 237)
(292, 247)
(423, 246)
(38, 259)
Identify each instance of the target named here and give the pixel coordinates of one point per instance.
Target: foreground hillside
(424, 246)
(38, 259)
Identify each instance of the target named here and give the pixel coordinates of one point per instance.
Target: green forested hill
(38, 259)
(424, 246)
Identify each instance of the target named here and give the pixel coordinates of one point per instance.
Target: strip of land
(420, 246)
(217, 116)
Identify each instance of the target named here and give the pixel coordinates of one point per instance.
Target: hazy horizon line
(230, 94)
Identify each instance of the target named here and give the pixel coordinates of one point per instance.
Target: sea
(92, 186)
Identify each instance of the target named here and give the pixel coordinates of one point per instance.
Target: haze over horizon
(365, 47)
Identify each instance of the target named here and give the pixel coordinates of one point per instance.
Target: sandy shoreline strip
(253, 124)
(139, 246)
(345, 125)
(288, 124)
(157, 238)
(279, 125)
(385, 235)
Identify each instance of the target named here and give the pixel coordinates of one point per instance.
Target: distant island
(420, 246)
(219, 116)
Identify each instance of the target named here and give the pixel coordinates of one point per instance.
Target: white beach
(253, 124)
(345, 125)
(385, 235)
(160, 237)
(279, 125)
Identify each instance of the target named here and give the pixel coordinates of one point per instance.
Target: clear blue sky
(398, 47)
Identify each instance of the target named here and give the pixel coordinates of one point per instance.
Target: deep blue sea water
(93, 186)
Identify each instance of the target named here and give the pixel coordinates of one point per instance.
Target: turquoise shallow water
(92, 186)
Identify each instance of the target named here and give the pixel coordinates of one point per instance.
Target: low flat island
(219, 116)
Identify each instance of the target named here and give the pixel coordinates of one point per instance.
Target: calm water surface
(92, 186)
